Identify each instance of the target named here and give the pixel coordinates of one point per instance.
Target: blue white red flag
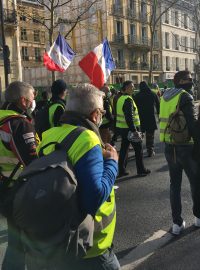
(98, 64)
(60, 55)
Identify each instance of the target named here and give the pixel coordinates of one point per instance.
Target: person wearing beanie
(57, 102)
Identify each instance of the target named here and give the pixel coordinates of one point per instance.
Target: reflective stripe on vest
(167, 108)
(105, 221)
(105, 218)
(8, 159)
(52, 110)
(120, 120)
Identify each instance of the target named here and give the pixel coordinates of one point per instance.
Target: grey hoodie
(169, 94)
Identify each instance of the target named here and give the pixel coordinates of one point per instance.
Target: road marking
(145, 250)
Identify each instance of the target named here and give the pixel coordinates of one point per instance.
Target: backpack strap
(70, 139)
(66, 142)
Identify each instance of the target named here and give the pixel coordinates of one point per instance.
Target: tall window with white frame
(167, 63)
(38, 55)
(177, 64)
(166, 40)
(25, 56)
(23, 34)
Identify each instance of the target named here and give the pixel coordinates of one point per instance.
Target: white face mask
(100, 120)
(32, 108)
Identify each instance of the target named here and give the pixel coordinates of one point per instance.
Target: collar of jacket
(76, 119)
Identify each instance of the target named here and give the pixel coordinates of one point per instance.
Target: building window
(132, 29)
(119, 28)
(25, 56)
(23, 34)
(155, 62)
(143, 9)
(120, 59)
(186, 64)
(176, 18)
(23, 18)
(185, 16)
(38, 55)
(132, 5)
(144, 36)
(36, 35)
(166, 40)
(177, 64)
(167, 63)
(167, 16)
(192, 44)
(176, 42)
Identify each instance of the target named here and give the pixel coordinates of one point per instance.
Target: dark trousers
(180, 159)
(150, 141)
(14, 257)
(123, 155)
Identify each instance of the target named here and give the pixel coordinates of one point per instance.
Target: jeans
(14, 258)
(179, 158)
(123, 155)
(106, 261)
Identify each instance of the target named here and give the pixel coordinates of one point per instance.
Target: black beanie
(58, 87)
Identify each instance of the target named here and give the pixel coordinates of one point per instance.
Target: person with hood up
(146, 102)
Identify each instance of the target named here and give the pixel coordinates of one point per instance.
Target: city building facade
(178, 40)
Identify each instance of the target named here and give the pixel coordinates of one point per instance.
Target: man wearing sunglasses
(179, 155)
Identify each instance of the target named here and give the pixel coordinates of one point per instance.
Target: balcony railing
(131, 14)
(134, 66)
(117, 10)
(120, 64)
(10, 16)
(156, 67)
(145, 41)
(144, 66)
(156, 44)
(25, 57)
(119, 38)
(132, 39)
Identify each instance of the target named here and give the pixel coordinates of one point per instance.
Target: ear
(94, 116)
(22, 102)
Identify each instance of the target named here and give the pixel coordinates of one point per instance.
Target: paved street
(142, 239)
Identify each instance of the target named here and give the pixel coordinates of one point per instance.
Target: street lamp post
(3, 43)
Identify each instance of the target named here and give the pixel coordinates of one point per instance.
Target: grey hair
(18, 89)
(84, 98)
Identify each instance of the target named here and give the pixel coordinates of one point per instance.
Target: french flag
(98, 64)
(60, 55)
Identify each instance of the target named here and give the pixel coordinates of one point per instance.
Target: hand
(110, 152)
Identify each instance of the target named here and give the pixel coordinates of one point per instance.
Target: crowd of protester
(112, 120)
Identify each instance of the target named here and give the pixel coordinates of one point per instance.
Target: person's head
(106, 90)
(144, 87)
(183, 79)
(45, 95)
(128, 87)
(58, 89)
(21, 94)
(86, 100)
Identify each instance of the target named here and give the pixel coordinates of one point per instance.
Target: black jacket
(147, 102)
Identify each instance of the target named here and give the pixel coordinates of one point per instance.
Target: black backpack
(46, 204)
(42, 118)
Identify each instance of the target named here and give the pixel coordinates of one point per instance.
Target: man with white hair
(17, 147)
(95, 167)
